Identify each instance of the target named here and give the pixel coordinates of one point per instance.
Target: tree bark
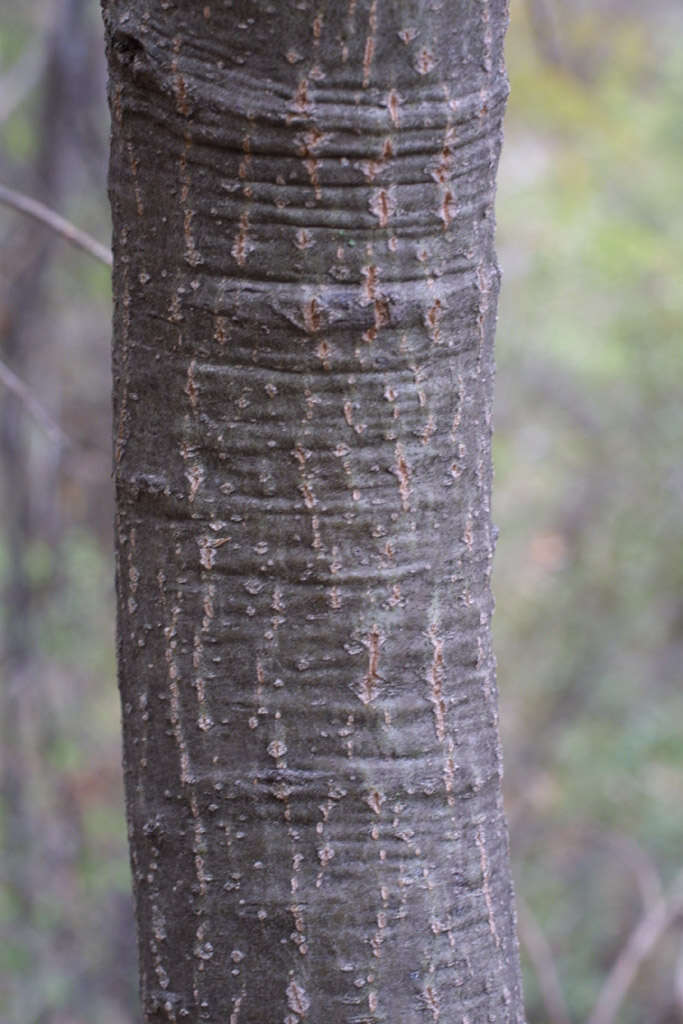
(305, 291)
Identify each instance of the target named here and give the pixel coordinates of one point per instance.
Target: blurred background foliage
(589, 489)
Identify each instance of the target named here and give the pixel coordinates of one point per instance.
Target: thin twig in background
(39, 414)
(642, 940)
(24, 75)
(543, 22)
(678, 979)
(538, 949)
(40, 212)
(82, 463)
(635, 857)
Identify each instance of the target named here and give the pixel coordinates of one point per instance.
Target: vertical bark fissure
(305, 294)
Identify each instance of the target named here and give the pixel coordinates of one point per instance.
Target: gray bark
(305, 289)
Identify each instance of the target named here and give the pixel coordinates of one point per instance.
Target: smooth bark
(305, 289)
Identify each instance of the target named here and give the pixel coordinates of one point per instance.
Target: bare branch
(634, 856)
(40, 212)
(543, 20)
(33, 406)
(21, 79)
(678, 981)
(643, 939)
(541, 956)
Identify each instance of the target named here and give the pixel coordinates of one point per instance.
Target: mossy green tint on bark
(305, 290)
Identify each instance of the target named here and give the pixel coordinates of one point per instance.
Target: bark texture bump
(305, 293)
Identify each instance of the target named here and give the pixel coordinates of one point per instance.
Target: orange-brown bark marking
(381, 312)
(370, 44)
(381, 309)
(371, 678)
(393, 103)
(309, 497)
(446, 211)
(406, 35)
(307, 149)
(134, 164)
(486, 885)
(436, 684)
(381, 207)
(374, 800)
(403, 473)
(240, 248)
(428, 430)
(425, 62)
(182, 105)
(191, 385)
(302, 104)
(432, 318)
(323, 353)
(312, 316)
(432, 1000)
(220, 333)
(370, 284)
(303, 239)
(442, 171)
(371, 168)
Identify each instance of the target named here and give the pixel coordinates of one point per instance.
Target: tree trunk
(305, 290)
